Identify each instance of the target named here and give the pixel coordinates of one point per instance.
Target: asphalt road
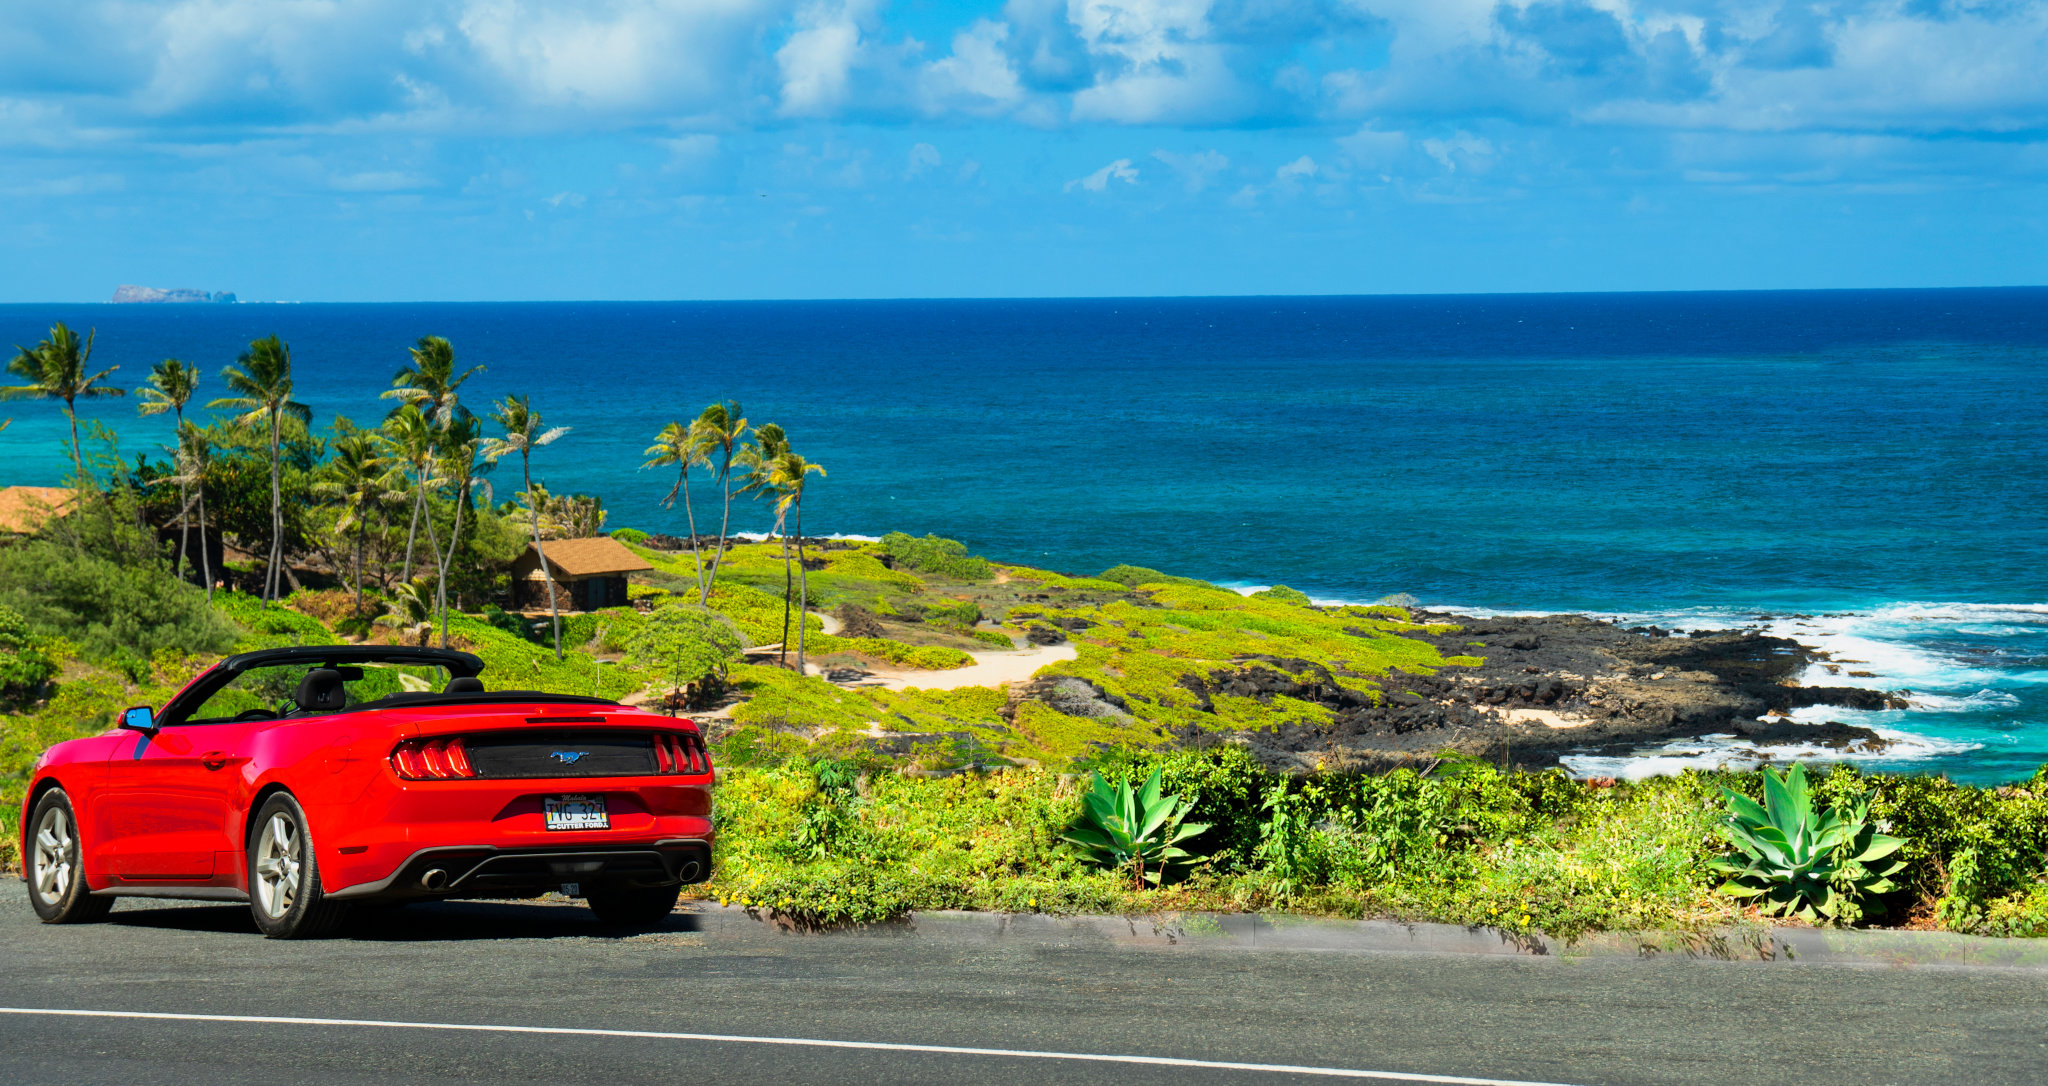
(1591, 1021)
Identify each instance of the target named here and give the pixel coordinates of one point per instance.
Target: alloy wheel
(56, 855)
(277, 866)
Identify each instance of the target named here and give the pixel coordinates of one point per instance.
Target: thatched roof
(594, 557)
(23, 509)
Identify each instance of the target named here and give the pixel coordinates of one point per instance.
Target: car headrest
(321, 691)
(468, 684)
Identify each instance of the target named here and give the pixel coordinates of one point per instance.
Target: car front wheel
(284, 877)
(56, 864)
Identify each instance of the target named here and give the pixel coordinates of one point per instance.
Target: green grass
(848, 841)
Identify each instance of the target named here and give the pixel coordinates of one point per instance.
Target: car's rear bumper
(373, 845)
(488, 871)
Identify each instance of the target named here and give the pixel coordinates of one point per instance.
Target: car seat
(321, 691)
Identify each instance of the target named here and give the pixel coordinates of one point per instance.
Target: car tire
(632, 908)
(55, 864)
(284, 876)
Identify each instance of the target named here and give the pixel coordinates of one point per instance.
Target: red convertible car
(305, 779)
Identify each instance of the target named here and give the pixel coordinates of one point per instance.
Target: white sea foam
(763, 537)
(1729, 751)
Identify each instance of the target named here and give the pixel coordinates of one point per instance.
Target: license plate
(575, 813)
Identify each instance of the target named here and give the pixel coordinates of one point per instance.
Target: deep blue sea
(1875, 459)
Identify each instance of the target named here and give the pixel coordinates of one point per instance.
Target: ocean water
(1876, 461)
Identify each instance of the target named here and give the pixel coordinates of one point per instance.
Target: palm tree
(787, 477)
(677, 444)
(413, 441)
(194, 459)
(719, 428)
(430, 386)
(264, 394)
(523, 434)
(362, 477)
(55, 369)
(758, 462)
(411, 612)
(431, 382)
(170, 388)
(460, 444)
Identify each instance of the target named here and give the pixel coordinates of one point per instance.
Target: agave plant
(1139, 830)
(1797, 861)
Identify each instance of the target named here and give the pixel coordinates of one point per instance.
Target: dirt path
(988, 669)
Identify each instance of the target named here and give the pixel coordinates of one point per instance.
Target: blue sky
(341, 150)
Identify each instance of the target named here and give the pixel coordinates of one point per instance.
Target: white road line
(805, 1042)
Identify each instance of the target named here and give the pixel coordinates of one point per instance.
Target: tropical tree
(262, 384)
(461, 444)
(787, 477)
(679, 445)
(362, 476)
(430, 386)
(193, 460)
(411, 612)
(430, 383)
(170, 388)
(55, 369)
(719, 429)
(413, 441)
(523, 434)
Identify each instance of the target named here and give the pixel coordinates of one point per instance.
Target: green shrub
(683, 644)
(932, 554)
(107, 606)
(629, 535)
(1133, 576)
(26, 663)
(993, 638)
(1285, 594)
(273, 626)
(918, 657)
(515, 625)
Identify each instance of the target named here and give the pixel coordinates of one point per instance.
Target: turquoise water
(1874, 458)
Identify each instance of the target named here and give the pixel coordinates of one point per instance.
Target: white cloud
(977, 78)
(817, 61)
(1197, 169)
(1120, 170)
(1374, 149)
(923, 157)
(1463, 148)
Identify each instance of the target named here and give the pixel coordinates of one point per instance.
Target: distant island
(127, 293)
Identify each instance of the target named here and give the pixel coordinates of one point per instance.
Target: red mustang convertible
(304, 779)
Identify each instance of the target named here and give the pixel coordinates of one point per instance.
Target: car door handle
(213, 759)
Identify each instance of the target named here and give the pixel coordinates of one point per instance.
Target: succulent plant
(1139, 830)
(1795, 860)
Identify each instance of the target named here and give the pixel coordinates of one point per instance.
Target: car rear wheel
(56, 864)
(632, 907)
(284, 877)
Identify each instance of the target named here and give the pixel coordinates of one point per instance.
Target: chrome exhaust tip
(435, 879)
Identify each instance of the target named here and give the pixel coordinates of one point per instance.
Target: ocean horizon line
(1245, 296)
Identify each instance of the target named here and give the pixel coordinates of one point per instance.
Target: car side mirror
(140, 719)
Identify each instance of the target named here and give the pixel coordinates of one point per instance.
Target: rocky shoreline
(1555, 685)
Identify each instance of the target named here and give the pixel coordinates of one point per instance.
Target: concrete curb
(1241, 932)
(1279, 933)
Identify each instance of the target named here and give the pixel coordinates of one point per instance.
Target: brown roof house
(24, 509)
(588, 574)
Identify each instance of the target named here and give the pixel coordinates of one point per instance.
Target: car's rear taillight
(432, 760)
(681, 752)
